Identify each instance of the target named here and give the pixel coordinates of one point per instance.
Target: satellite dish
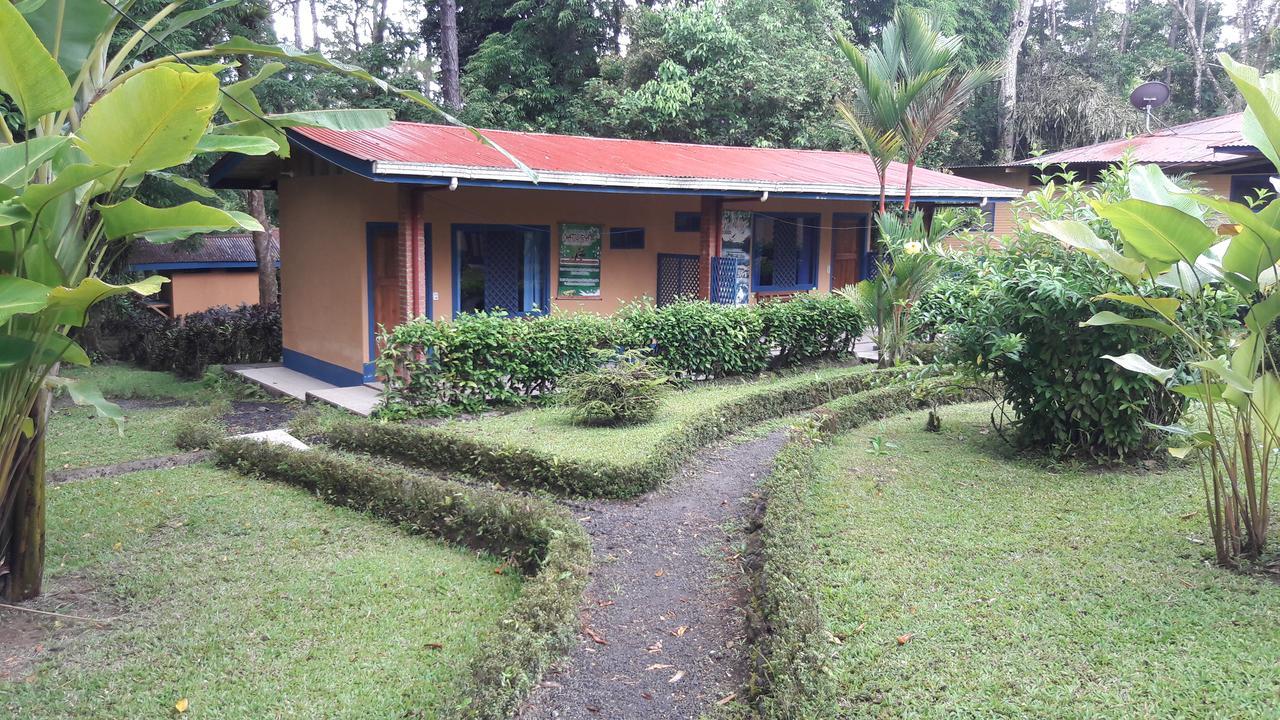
(1149, 95)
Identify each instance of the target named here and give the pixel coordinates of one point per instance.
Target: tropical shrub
(1020, 321)
(809, 327)
(188, 345)
(441, 367)
(696, 339)
(1169, 256)
(626, 391)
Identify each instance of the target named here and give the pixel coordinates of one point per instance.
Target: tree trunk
(263, 252)
(297, 23)
(450, 83)
(380, 23)
(1124, 26)
(1009, 83)
(22, 517)
(906, 195)
(315, 26)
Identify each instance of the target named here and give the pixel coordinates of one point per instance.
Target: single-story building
(204, 272)
(1213, 152)
(379, 226)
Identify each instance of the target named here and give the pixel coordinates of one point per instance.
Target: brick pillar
(710, 245)
(410, 258)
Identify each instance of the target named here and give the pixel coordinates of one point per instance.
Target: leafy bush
(1020, 322)
(544, 541)
(440, 367)
(627, 391)
(809, 327)
(479, 359)
(190, 344)
(698, 340)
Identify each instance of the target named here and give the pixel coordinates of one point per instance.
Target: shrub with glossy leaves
(698, 340)
(190, 344)
(809, 327)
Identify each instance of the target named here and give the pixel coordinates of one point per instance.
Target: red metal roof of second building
(404, 148)
(1188, 144)
(215, 249)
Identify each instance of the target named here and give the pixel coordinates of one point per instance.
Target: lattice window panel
(677, 278)
(724, 275)
(786, 254)
(502, 274)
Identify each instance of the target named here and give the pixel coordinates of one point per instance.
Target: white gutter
(382, 167)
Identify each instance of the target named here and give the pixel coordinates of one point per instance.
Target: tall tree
(449, 81)
(1009, 81)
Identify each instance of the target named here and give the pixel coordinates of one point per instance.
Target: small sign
(579, 261)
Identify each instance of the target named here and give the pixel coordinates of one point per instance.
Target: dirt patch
(31, 637)
(256, 416)
(156, 463)
(664, 617)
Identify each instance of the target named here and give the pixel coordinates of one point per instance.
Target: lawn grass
(255, 600)
(1021, 592)
(125, 382)
(551, 430)
(77, 438)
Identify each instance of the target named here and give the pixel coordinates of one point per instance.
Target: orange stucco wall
(196, 291)
(323, 247)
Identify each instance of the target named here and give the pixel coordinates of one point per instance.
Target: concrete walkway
(283, 382)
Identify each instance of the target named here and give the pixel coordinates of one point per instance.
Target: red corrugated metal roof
(1190, 143)
(214, 249)
(404, 148)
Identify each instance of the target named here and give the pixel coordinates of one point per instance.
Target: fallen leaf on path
(434, 646)
(655, 648)
(181, 705)
(834, 638)
(680, 631)
(659, 666)
(904, 639)
(595, 636)
(660, 572)
(727, 698)
(676, 678)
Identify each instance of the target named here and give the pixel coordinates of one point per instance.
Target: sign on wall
(735, 242)
(579, 261)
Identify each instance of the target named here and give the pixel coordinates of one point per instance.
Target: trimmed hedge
(439, 448)
(438, 368)
(791, 677)
(545, 541)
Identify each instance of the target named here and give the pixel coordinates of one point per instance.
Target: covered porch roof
(423, 154)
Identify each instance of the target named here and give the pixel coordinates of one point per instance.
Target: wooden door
(386, 279)
(848, 236)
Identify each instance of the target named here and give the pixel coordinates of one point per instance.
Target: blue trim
(807, 254)
(544, 307)
(249, 265)
(321, 370)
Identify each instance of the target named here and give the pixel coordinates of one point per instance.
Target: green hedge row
(478, 359)
(547, 543)
(440, 448)
(790, 678)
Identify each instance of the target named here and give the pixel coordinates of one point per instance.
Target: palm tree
(933, 59)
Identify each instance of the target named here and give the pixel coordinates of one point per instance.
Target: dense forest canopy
(757, 72)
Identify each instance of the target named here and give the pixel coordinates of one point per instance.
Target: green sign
(579, 261)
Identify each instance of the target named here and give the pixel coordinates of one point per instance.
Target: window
(1246, 188)
(688, 222)
(784, 253)
(626, 238)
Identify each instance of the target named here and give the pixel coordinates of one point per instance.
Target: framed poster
(735, 242)
(579, 275)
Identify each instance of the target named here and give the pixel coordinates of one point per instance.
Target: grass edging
(438, 448)
(548, 545)
(790, 678)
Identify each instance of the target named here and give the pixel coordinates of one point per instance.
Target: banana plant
(1173, 246)
(95, 120)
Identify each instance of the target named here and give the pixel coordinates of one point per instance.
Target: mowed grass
(254, 600)
(550, 429)
(77, 438)
(1019, 592)
(124, 382)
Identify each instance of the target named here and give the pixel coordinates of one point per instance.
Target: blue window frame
(688, 222)
(784, 252)
(504, 267)
(626, 238)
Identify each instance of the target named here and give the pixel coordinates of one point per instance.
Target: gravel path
(663, 623)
